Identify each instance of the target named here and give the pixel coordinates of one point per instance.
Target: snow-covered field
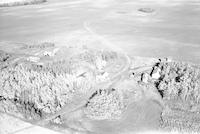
(171, 30)
(147, 28)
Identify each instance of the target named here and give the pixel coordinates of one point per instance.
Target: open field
(171, 30)
(100, 67)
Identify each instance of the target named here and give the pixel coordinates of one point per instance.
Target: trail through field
(144, 28)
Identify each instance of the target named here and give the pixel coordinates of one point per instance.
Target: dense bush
(38, 89)
(39, 46)
(4, 59)
(44, 90)
(19, 3)
(4, 56)
(105, 106)
(180, 80)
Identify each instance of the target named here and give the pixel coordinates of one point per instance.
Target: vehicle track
(80, 101)
(104, 85)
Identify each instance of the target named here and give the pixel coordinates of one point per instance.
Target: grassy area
(9, 3)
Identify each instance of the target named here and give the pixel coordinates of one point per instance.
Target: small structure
(33, 59)
(156, 73)
(145, 78)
